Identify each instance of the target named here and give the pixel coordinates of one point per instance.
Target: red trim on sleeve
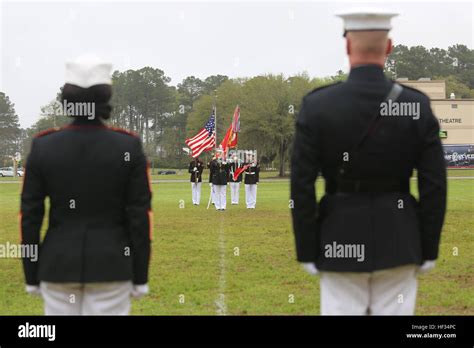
(20, 214)
(150, 224)
(20, 218)
(148, 175)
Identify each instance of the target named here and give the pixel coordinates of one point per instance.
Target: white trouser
(213, 194)
(386, 292)
(251, 195)
(196, 189)
(110, 298)
(234, 192)
(220, 198)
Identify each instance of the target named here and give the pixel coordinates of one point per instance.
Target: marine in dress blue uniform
(251, 180)
(219, 172)
(97, 244)
(234, 183)
(196, 168)
(368, 237)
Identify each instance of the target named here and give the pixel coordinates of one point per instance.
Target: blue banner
(459, 156)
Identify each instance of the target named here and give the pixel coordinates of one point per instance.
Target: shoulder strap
(392, 95)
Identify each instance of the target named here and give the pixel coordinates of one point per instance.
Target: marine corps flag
(239, 171)
(231, 136)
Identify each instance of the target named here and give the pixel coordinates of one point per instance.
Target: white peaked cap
(367, 19)
(88, 70)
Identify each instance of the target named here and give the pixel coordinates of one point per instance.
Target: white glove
(195, 169)
(33, 290)
(210, 184)
(310, 268)
(426, 266)
(139, 291)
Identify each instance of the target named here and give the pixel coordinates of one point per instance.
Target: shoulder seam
(47, 131)
(413, 89)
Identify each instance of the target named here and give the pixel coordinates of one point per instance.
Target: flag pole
(215, 115)
(215, 145)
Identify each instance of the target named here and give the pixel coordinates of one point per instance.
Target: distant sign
(459, 156)
(450, 120)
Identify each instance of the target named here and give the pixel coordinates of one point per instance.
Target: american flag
(205, 140)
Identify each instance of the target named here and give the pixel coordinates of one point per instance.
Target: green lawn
(182, 174)
(193, 255)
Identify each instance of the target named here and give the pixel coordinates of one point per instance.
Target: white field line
(220, 301)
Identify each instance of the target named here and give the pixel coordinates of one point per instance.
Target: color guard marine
(234, 183)
(252, 177)
(219, 172)
(196, 168)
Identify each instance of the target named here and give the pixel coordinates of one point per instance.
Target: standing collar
(367, 73)
(83, 121)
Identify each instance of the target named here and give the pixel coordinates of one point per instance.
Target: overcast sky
(237, 39)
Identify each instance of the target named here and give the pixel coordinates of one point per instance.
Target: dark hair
(98, 94)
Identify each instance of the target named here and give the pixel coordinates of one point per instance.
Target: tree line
(455, 65)
(145, 102)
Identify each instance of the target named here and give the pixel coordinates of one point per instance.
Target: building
(456, 119)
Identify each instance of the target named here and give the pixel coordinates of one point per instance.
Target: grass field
(182, 174)
(194, 258)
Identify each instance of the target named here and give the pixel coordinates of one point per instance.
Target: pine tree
(9, 130)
